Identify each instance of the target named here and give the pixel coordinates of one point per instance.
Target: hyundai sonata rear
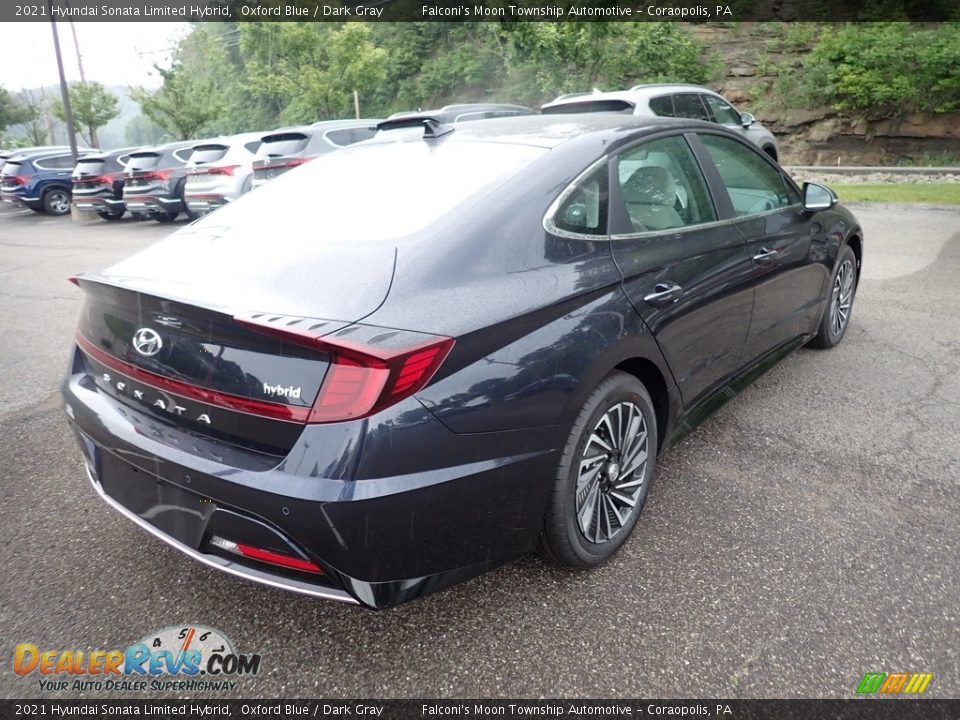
(453, 346)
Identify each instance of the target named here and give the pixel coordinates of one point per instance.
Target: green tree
(195, 90)
(92, 105)
(11, 111)
(35, 106)
(141, 131)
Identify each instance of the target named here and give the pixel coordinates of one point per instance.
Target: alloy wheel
(612, 473)
(58, 203)
(842, 298)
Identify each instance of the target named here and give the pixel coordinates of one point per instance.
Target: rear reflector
(370, 368)
(267, 556)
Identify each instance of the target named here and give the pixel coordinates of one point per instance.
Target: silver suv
(685, 101)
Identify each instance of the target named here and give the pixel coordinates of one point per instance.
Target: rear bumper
(152, 203)
(98, 204)
(380, 541)
(19, 200)
(206, 202)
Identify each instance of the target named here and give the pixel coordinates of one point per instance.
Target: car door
(783, 245)
(685, 271)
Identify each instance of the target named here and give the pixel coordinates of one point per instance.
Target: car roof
(548, 130)
(160, 149)
(236, 139)
(107, 154)
(450, 112)
(637, 92)
(30, 156)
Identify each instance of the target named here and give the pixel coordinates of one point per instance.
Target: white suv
(686, 101)
(220, 171)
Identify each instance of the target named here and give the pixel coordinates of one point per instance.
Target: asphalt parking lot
(806, 534)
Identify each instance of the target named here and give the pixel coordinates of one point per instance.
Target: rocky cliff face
(754, 55)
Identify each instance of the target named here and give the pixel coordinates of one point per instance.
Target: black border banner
(851, 709)
(479, 10)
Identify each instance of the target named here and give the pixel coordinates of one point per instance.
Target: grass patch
(934, 193)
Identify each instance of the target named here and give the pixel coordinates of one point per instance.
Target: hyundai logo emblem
(147, 342)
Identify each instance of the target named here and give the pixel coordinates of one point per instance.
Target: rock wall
(752, 57)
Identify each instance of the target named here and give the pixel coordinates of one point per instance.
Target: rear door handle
(663, 293)
(764, 255)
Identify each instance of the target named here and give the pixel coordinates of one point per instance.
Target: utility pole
(76, 45)
(64, 91)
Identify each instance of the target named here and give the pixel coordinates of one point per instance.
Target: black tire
(56, 201)
(164, 217)
(843, 290)
(110, 216)
(563, 539)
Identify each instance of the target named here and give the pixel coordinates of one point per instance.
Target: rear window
(143, 161)
(93, 166)
(203, 154)
(375, 192)
(349, 136)
(58, 162)
(11, 167)
(283, 144)
(588, 106)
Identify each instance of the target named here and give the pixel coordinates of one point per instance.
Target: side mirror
(817, 197)
(746, 119)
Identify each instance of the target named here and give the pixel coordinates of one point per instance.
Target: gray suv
(685, 101)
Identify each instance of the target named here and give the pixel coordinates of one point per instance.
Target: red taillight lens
(215, 170)
(370, 368)
(284, 163)
(267, 556)
(15, 180)
(157, 175)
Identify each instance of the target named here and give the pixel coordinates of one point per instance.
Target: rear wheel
(604, 475)
(56, 201)
(110, 216)
(164, 217)
(843, 289)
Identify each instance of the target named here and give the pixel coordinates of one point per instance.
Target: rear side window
(349, 136)
(688, 105)
(205, 154)
(59, 162)
(253, 146)
(662, 186)
(662, 106)
(583, 210)
(754, 185)
(182, 155)
(721, 110)
(284, 144)
(143, 161)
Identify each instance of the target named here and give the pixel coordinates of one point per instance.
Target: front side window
(584, 209)
(754, 185)
(662, 186)
(723, 111)
(688, 105)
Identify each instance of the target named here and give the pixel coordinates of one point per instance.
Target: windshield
(370, 192)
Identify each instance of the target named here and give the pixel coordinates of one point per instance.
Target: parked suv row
(38, 180)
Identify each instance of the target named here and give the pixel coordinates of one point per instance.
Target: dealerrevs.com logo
(188, 658)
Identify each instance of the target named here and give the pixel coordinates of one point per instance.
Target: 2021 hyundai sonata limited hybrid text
(452, 347)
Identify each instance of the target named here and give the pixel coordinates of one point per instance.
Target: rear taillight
(370, 368)
(155, 176)
(215, 170)
(14, 180)
(293, 162)
(97, 179)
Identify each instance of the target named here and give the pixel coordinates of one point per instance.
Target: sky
(113, 53)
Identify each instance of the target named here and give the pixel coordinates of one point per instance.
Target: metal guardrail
(867, 169)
